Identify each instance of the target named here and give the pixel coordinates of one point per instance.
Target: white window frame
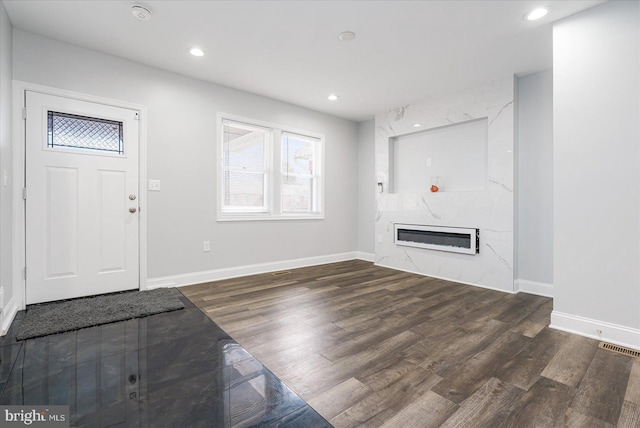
(266, 170)
(315, 177)
(273, 174)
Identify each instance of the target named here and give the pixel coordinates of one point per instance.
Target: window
(299, 182)
(244, 167)
(70, 131)
(268, 172)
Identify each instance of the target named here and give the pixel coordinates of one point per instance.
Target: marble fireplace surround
(491, 210)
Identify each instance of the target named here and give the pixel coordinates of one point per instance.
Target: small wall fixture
(140, 12)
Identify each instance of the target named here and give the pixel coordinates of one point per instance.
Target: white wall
(181, 153)
(596, 112)
(453, 157)
(366, 186)
(5, 158)
(535, 178)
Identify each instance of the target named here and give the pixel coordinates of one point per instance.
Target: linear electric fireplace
(452, 239)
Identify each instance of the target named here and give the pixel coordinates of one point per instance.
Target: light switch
(154, 185)
(5, 177)
(428, 162)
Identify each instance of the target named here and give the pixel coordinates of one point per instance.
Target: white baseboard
(595, 329)
(234, 272)
(533, 287)
(447, 279)
(8, 315)
(367, 257)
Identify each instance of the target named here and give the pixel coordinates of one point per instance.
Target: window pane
(82, 132)
(298, 154)
(299, 160)
(244, 147)
(297, 194)
(243, 189)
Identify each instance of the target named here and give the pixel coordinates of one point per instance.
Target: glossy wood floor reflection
(173, 369)
(369, 346)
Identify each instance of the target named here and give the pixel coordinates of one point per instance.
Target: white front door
(81, 198)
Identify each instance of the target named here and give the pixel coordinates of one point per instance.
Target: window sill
(268, 217)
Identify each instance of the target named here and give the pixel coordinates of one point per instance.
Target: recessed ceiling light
(417, 125)
(196, 52)
(332, 97)
(140, 12)
(536, 14)
(347, 36)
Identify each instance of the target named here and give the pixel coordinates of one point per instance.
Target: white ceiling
(289, 50)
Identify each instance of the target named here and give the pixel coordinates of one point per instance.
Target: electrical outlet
(206, 246)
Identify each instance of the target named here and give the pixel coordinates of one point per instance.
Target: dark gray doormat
(58, 317)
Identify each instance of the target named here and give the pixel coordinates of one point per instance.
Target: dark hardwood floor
(369, 346)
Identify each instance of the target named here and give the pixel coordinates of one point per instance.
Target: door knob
(132, 197)
(132, 210)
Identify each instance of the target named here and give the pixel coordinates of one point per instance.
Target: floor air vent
(619, 349)
(282, 272)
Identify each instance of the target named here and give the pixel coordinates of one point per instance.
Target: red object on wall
(434, 188)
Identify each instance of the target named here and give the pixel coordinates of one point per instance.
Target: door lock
(132, 210)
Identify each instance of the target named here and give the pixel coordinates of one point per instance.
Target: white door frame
(17, 301)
